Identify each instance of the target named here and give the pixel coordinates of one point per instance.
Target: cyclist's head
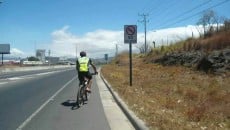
(82, 53)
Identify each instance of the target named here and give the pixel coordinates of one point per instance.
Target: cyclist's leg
(89, 77)
(80, 77)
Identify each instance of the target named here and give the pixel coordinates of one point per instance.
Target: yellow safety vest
(83, 62)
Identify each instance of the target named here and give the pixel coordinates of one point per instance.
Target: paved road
(4, 75)
(44, 101)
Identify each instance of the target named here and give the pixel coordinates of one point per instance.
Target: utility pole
(144, 21)
(49, 53)
(35, 48)
(76, 51)
(167, 41)
(116, 50)
(49, 57)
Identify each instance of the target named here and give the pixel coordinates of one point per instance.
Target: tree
(199, 30)
(32, 58)
(227, 24)
(207, 20)
(142, 48)
(217, 19)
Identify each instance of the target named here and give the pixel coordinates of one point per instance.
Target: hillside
(175, 96)
(210, 54)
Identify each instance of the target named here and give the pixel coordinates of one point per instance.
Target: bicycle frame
(82, 94)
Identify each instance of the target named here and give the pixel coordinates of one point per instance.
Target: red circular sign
(130, 30)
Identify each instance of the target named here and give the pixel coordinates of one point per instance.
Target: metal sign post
(2, 58)
(106, 58)
(130, 64)
(130, 36)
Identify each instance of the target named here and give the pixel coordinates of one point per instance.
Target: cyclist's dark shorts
(81, 75)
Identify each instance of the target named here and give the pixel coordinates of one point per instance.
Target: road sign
(130, 34)
(106, 57)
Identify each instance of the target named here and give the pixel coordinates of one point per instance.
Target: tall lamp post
(117, 47)
(154, 44)
(2, 54)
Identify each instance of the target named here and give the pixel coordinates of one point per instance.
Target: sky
(66, 27)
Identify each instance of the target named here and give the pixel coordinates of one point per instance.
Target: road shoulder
(115, 116)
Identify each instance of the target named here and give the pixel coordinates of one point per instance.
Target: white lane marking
(39, 74)
(14, 78)
(29, 76)
(3, 83)
(43, 105)
(47, 73)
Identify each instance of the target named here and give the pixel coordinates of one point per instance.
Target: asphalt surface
(4, 75)
(44, 101)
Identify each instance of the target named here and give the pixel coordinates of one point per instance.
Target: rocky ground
(216, 61)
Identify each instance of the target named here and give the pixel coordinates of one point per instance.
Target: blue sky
(67, 26)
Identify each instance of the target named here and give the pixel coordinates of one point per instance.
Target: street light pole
(154, 44)
(145, 35)
(2, 54)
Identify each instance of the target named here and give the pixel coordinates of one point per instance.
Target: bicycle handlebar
(94, 73)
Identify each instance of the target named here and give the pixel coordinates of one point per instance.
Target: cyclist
(82, 66)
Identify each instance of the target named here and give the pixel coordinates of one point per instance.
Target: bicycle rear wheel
(80, 94)
(85, 95)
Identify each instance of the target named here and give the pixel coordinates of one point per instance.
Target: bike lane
(59, 113)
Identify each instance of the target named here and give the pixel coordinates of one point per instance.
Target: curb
(136, 122)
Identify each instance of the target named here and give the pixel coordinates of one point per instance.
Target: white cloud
(16, 52)
(171, 35)
(96, 43)
(100, 42)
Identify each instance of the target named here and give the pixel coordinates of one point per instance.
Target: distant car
(72, 63)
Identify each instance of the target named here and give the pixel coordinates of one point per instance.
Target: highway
(44, 100)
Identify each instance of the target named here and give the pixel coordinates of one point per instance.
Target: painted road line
(43, 105)
(3, 83)
(15, 78)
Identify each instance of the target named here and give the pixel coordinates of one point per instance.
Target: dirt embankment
(171, 97)
(167, 95)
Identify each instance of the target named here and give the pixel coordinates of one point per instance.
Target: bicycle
(82, 94)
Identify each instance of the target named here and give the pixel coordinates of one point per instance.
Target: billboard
(4, 48)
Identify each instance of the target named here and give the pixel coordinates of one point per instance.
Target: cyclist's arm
(94, 67)
(77, 65)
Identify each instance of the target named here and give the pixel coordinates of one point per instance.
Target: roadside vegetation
(175, 96)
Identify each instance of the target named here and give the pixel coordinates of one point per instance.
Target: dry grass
(218, 41)
(172, 97)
